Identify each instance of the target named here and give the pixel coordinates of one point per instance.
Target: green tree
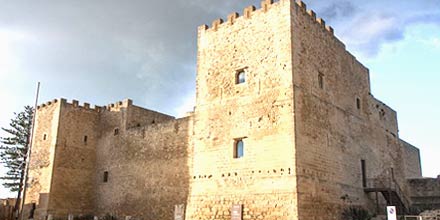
(14, 147)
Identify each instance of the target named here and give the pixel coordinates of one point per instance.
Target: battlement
(297, 5)
(266, 5)
(118, 105)
(49, 103)
(86, 106)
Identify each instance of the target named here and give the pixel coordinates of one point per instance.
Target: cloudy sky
(101, 51)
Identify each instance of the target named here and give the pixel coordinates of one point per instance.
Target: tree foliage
(355, 213)
(14, 147)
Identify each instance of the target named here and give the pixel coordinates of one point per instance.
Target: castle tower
(285, 122)
(62, 169)
(285, 127)
(244, 133)
(106, 161)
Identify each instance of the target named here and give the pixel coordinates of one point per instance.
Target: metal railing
(388, 183)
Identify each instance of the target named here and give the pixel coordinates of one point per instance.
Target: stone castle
(285, 127)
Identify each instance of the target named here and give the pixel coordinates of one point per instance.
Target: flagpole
(29, 151)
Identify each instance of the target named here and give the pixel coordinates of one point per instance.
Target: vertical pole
(28, 158)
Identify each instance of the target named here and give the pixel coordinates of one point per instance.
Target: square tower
(285, 122)
(243, 144)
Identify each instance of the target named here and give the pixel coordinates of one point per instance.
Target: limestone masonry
(285, 128)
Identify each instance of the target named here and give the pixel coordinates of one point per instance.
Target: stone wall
(73, 188)
(337, 123)
(7, 209)
(42, 159)
(73, 143)
(431, 215)
(425, 193)
(147, 165)
(304, 112)
(259, 112)
(411, 154)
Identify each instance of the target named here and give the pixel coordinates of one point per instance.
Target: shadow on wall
(7, 208)
(32, 209)
(425, 193)
(143, 170)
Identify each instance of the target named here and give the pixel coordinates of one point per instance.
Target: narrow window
(238, 148)
(44, 137)
(321, 80)
(85, 139)
(358, 103)
(116, 131)
(240, 77)
(364, 173)
(105, 177)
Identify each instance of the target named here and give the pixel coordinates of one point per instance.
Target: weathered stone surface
(411, 154)
(304, 112)
(425, 193)
(7, 209)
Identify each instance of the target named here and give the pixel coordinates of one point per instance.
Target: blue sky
(406, 75)
(102, 51)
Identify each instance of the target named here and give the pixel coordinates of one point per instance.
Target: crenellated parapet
(76, 104)
(47, 104)
(118, 105)
(301, 6)
(86, 106)
(266, 5)
(298, 6)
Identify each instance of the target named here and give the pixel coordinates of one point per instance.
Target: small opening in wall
(358, 103)
(116, 132)
(44, 137)
(321, 80)
(85, 139)
(364, 173)
(392, 173)
(138, 124)
(238, 148)
(105, 177)
(153, 122)
(32, 211)
(240, 76)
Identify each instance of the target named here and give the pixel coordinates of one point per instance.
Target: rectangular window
(358, 103)
(105, 177)
(85, 139)
(116, 132)
(238, 148)
(240, 76)
(364, 173)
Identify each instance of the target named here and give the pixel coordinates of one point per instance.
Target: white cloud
(187, 106)
(435, 42)
(102, 51)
